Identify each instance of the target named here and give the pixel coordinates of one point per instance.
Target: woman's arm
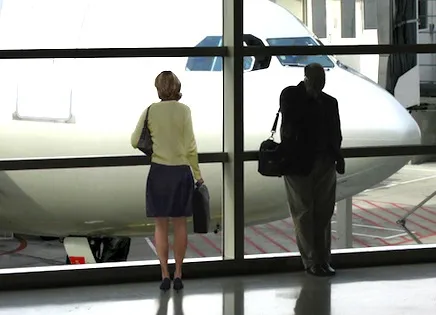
(134, 139)
(191, 145)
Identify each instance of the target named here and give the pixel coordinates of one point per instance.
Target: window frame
(233, 262)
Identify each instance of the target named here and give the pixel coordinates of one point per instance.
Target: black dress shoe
(328, 269)
(178, 284)
(316, 270)
(165, 284)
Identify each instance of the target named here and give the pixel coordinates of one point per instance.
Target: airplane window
(212, 63)
(218, 66)
(203, 63)
(299, 61)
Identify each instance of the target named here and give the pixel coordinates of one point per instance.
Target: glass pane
(354, 80)
(42, 206)
(296, 7)
(336, 22)
(383, 188)
(26, 24)
(372, 92)
(75, 107)
(79, 107)
(376, 209)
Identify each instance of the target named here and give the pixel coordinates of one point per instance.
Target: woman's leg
(161, 237)
(180, 243)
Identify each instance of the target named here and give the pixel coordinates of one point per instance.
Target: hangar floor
(388, 291)
(375, 213)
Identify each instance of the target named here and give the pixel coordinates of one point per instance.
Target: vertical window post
(233, 171)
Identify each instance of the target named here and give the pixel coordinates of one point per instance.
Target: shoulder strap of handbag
(274, 127)
(146, 117)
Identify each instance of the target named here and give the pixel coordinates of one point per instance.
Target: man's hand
(340, 166)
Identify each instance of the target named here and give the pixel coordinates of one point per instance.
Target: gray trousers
(312, 201)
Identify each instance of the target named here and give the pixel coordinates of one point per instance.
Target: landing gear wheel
(48, 238)
(107, 249)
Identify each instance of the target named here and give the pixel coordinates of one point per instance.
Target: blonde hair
(168, 86)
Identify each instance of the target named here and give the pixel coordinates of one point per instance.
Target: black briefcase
(201, 209)
(271, 160)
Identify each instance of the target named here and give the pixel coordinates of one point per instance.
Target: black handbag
(145, 144)
(271, 160)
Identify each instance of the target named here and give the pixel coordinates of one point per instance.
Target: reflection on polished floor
(388, 290)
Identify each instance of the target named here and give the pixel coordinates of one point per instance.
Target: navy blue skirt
(169, 191)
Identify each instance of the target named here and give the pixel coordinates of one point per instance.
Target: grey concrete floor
(400, 290)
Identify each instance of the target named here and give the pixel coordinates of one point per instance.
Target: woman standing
(170, 182)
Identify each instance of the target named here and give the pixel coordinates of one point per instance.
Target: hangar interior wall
(361, 22)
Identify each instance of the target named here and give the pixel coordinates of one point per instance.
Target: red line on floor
(386, 243)
(429, 210)
(291, 225)
(288, 223)
(410, 239)
(210, 243)
(376, 215)
(373, 223)
(20, 247)
(417, 214)
(357, 240)
(249, 241)
(221, 235)
(269, 239)
(280, 231)
(381, 208)
(195, 249)
(394, 214)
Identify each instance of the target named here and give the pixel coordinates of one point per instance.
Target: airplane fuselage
(90, 107)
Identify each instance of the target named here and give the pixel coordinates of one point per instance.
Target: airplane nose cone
(411, 134)
(373, 117)
(370, 115)
(400, 126)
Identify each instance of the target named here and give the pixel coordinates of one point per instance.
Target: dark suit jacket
(309, 128)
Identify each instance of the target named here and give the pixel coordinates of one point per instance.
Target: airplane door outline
(47, 90)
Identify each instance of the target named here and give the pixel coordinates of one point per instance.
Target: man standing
(311, 139)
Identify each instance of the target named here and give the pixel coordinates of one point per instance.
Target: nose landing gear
(217, 228)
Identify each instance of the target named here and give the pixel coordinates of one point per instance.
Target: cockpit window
(296, 60)
(212, 63)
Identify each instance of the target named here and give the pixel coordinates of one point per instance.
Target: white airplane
(79, 107)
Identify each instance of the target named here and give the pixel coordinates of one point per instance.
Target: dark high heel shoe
(178, 284)
(166, 284)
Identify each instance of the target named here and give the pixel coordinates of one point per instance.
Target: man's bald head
(314, 78)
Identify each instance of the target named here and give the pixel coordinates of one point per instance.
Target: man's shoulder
(292, 88)
(328, 98)
(292, 92)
